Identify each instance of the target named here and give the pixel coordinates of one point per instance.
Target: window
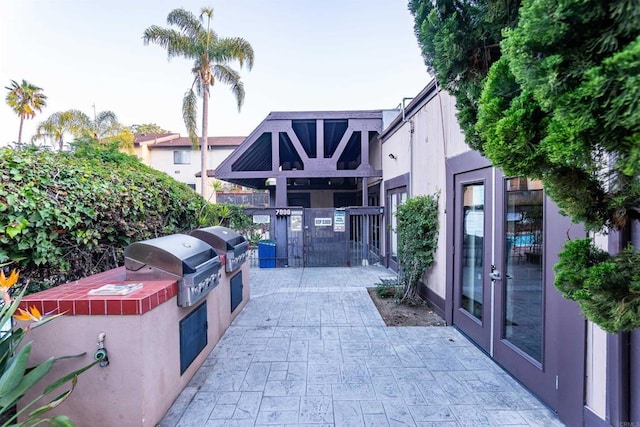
(398, 197)
(182, 157)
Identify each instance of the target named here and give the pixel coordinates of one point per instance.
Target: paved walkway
(311, 349)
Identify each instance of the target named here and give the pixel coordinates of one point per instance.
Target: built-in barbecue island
(151, 323)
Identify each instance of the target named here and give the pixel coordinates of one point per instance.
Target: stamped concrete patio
(311, 349)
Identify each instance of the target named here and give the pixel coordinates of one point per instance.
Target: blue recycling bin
(267, 254)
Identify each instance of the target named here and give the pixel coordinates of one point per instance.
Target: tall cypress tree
(460, 41)
(548, 89)
(560, 102)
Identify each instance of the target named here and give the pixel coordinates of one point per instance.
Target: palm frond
(189, 112)
(25, 98)
(43, 131)
(233, 49)
(197, 81)
(186, 21)
(231, 77)
(210, 37)
(106, 117)
(106, 123)
(12, 86)
(76, 122)
(177, 44)
(238, 93)
(206, 11)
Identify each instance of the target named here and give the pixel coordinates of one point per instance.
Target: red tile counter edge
(73, 299)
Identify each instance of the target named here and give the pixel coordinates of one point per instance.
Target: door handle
(495, 275)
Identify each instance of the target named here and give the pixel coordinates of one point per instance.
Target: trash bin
(267, 254)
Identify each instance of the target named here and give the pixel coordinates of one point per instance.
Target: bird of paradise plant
(15, 377)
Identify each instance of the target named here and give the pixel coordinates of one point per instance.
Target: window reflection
(523, 282)
(472, 249)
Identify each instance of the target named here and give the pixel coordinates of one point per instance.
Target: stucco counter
(142, 338)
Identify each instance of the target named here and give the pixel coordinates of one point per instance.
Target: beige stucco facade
(176, 157)
(420, 147)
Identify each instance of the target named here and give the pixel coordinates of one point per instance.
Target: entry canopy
(311, 150)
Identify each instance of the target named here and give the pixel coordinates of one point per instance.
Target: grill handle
(189, 269)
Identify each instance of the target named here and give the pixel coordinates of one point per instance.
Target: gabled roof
(151, 137)
(307, 145)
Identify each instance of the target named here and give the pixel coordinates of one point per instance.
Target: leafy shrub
(15, 377)
(417, 242)
(389, 289)
(64, 215)
(607, 287)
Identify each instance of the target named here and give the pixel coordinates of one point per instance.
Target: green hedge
(607, 287)
(64, 216)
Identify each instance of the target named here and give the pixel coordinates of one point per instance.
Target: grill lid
(177, 254)
(221, 238)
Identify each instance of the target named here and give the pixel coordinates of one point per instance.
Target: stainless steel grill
(190, 261)
(225, 241)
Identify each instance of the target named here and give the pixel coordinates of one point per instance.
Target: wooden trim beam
(343, 173)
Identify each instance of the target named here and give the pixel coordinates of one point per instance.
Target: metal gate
(320, 237)
(325, 238)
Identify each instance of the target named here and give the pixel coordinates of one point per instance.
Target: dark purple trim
(277, 122)
(468, 161)
(592, 420)
(565, 326)
(564, 317)
(618, 368)
(634, 377)
(400, 181)
(324, 115)
(435, 301)
(341, 173)
(397, 182)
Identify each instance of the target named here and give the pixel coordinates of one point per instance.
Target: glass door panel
(472, 278)
(472, 235)
(523, 283)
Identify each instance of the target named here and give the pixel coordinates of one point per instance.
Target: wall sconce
(392, 156)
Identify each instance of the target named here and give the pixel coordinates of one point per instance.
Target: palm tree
(104, 124)
(211, 56)
(25, 99)
(73, 122)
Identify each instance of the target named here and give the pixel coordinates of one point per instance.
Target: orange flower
(33, 314)
(6, 283)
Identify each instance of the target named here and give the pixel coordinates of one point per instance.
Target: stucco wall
(162, 159)
(143, 376)
(423, 154)
(596, 370)
(455, 144)
(596, 363)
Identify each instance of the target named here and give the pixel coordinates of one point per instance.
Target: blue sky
(309, 55)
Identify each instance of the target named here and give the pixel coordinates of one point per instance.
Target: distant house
(176, 156)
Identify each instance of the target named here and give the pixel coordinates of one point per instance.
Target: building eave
(420, 100)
